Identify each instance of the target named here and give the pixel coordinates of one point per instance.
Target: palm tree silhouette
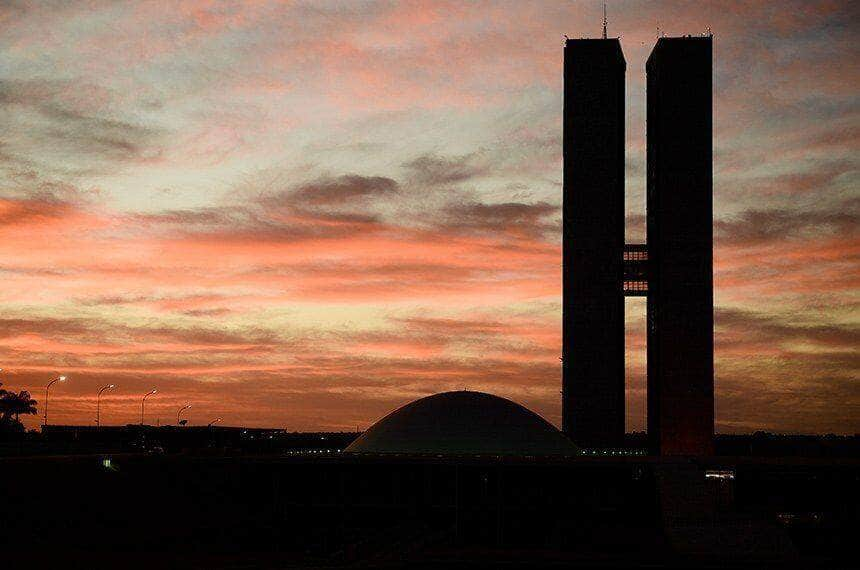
(13, 405)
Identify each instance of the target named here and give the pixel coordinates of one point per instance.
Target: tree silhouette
(12, 405)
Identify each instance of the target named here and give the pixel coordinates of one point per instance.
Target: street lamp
(51, 383)
(215, 421)
(182, 409)
(143, 403)
(99, 401)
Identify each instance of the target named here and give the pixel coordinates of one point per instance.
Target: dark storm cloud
(41, 201)
(10, 327)
(337, 191)
(213, 216)
(242, 225)
(46, 124)
(325, 209)
(453, 328)
(85, 330)
(31, 210)
(336, 207)
(508, 217)
(436, 170)
(812, 178)
(736, 327)
(759, 226)
(109, 138)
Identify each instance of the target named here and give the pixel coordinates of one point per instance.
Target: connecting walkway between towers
(635, 270)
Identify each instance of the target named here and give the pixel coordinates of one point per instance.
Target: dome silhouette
(463, 423)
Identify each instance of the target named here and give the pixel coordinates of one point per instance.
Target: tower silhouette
(674, 268)
(593, 210)
(680, 247)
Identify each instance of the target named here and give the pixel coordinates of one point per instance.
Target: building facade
(593, 311)
(673, 269)
(680, 247)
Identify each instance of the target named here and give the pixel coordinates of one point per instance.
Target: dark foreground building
(432, 485)
(680, 248)
(674, 268)
(464, 422)
(593, 311)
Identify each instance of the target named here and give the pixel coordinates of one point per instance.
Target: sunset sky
(305, 214)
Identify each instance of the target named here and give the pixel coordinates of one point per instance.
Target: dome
(458, 423)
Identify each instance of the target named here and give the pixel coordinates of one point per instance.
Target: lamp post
(143, 403)
(182, 409)
(215, 421)
(51, 383)
(99, 402)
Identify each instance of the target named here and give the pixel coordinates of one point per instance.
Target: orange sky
(305, 214)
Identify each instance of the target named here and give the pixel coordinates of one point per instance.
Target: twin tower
(673, 269)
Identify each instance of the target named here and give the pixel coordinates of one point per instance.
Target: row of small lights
(63, 378)
(602, 452)
(307, 451)
(638, 452)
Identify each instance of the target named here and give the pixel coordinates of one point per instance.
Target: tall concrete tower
(593, 243)
(680, 247)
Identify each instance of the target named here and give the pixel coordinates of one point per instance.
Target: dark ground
(223, 510)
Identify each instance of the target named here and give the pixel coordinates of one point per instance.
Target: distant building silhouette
(680, 247)
(463, 423)
(674, 269)
(593, 310)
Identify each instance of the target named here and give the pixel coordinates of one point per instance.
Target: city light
(143, 403)
(51, 383)
(724, 474)
(98, 402)
(179, 413)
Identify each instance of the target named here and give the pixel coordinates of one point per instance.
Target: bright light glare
(720, 474)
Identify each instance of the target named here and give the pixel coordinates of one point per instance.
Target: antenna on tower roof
(604, 20)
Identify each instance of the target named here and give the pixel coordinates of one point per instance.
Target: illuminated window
(725, 474)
